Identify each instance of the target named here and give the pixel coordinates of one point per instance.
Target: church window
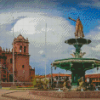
(22, 66)
(20, 48)
(11, 60)
(24, 48)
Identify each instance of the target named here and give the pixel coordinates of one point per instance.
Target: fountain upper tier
(80, 41)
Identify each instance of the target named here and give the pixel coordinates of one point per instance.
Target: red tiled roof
(54, 75)
(39, 76)
(69, 75)
(93, 76)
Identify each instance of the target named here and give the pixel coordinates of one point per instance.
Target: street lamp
(51, 77)
(59, 79)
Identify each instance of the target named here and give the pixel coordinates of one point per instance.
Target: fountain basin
(70, 63)
(70, 94)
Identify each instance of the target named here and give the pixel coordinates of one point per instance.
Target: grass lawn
(6, 88)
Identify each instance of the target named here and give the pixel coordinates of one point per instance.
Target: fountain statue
(42, 83)
(79, 28)
(67, 84)
(81, 86)
(77, 65)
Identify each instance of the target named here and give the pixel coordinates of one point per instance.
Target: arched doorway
(11, 77)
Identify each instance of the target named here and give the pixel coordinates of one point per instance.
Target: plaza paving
(3, 92)
(24, 95)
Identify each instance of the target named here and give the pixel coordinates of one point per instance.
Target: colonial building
(22, 69)
(95, 78)
(58, 79)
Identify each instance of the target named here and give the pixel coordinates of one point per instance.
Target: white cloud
(6, 18)
(34, 28)
(96, 48)
(93, 49)
(9, 17)
(26, 26)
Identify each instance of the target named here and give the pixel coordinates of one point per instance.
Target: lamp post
(13, 54)
(0, 76)
(51, 77)
(45, 49)
(59, 82)
(13, 63)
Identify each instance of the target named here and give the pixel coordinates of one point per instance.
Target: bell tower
(21, 62)
(21, 45)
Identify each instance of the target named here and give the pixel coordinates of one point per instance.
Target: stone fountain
(77, 65)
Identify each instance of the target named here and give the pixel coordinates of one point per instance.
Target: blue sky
(29, 18)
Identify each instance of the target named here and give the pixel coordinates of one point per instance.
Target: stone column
(0, 77)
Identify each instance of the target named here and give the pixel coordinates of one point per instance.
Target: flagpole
(45, 49)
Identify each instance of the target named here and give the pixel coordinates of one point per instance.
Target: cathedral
(23, 72)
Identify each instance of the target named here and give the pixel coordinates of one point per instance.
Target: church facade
(23, 72)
